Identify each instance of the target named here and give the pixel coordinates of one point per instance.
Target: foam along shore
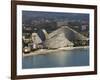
(46, 51)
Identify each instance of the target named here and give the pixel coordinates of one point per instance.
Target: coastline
(46, 51)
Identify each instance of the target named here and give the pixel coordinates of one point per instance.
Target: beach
(46, 51)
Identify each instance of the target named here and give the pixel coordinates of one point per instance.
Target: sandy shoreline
(46, 51)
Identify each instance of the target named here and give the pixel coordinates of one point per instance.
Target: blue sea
(68, 58)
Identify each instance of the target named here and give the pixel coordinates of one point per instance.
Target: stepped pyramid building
(63, 37)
